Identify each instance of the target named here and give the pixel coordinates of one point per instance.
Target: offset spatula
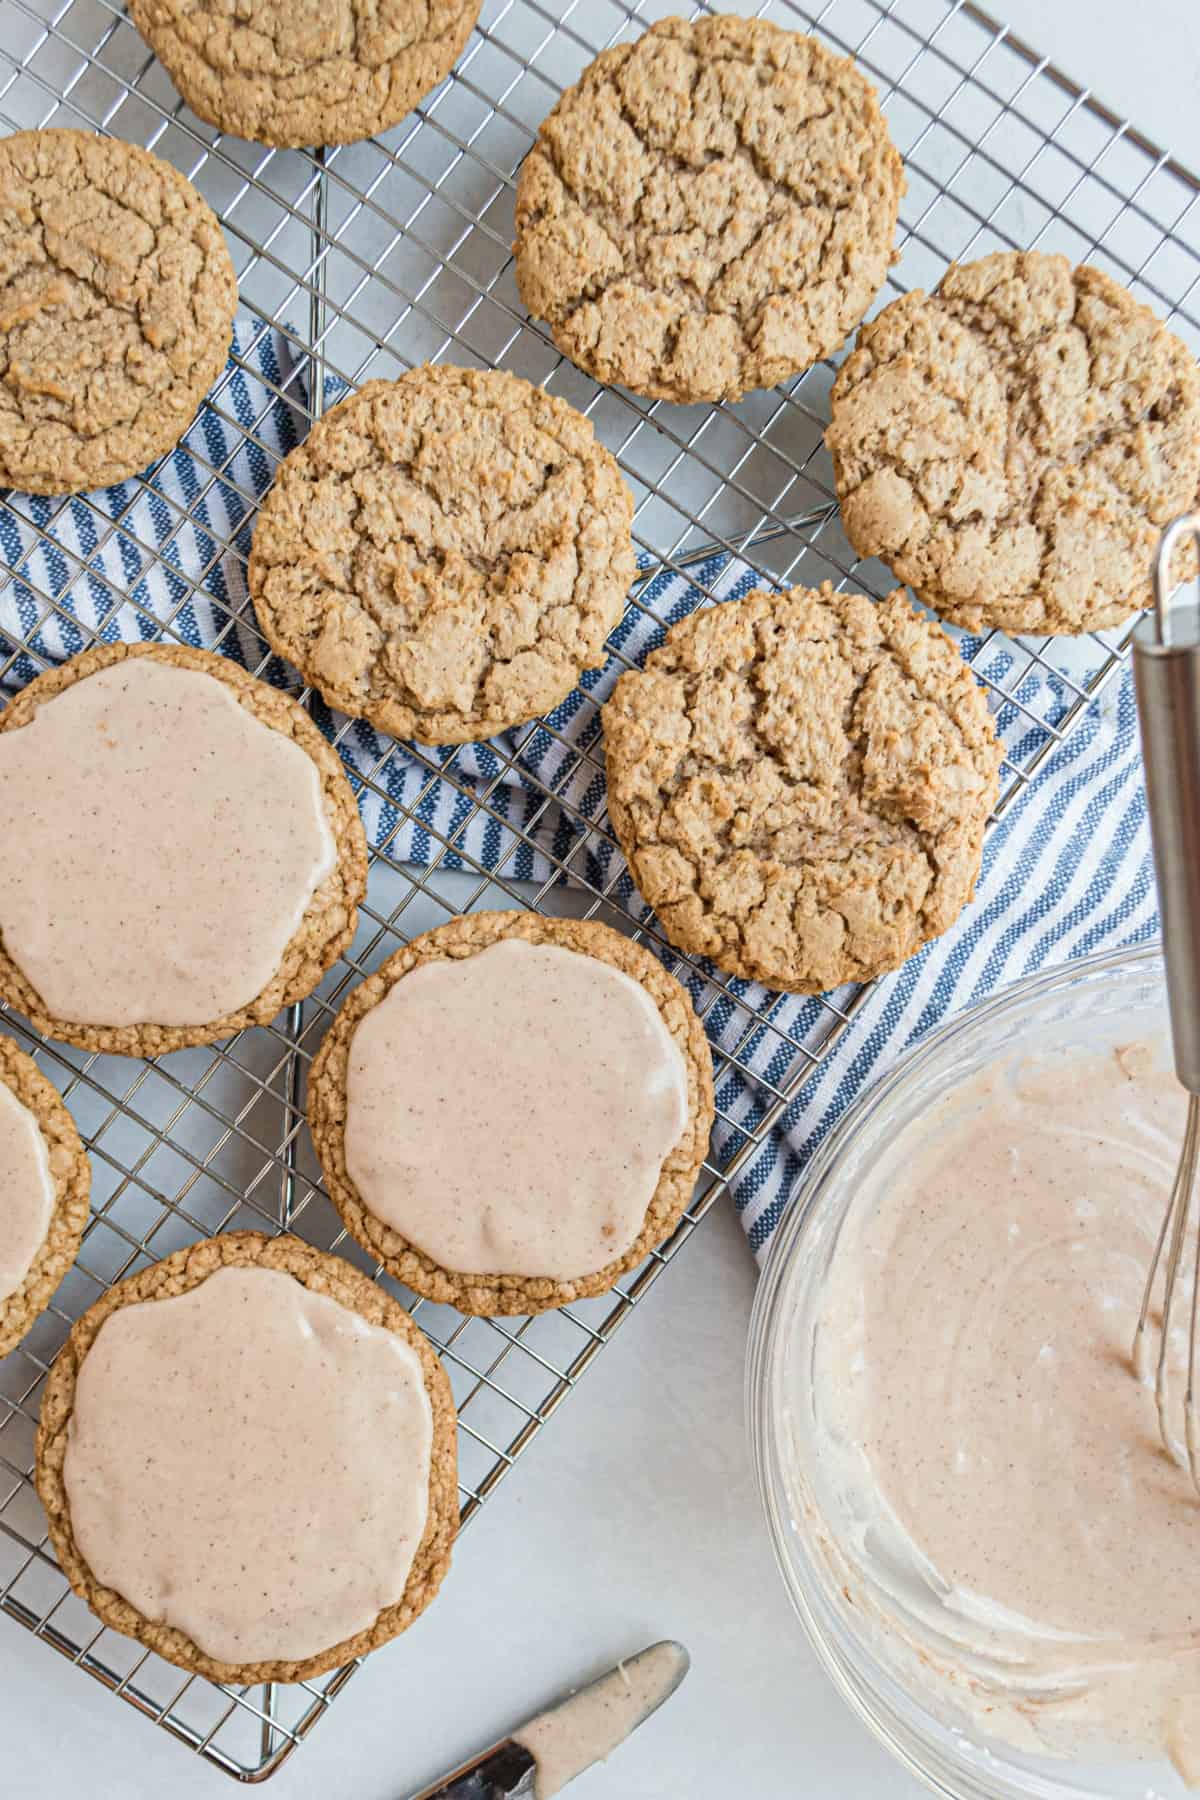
(542, 1755)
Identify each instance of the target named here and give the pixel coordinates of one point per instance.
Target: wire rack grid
(362, 261)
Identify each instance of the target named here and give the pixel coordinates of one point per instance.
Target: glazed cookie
(513, 1110)
(118, 306)
(709, 209)
(444, 554)
(800, 783)
(292, 75)
(47, 1179)
(1012, 444)
(213, 1424)
(183, 853)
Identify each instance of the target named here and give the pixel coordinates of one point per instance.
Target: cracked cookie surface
(444, 554)
(117, 297)
(71, 1174)
(180, 1273)
(320, 72)
(1012, 444)
(800, 784)
(710, 209)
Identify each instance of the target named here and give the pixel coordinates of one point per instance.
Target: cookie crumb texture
(484, 1293)
(710, 209)
(317, 72)
(115, 311)
(800, 784)
(70, 1171)
(1013, 443)
(179, 1274)
(444, 554)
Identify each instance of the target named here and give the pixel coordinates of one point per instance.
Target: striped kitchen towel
(1067, 870)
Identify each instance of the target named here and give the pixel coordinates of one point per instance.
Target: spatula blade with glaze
(541, 1756)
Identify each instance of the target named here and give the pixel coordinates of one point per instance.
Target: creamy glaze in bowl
(955, 1719)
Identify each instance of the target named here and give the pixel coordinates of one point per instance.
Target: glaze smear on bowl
(1012, 1514)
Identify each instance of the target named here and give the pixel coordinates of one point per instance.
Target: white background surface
(634, 1515)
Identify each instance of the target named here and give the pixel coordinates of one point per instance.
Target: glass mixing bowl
(886, 1683)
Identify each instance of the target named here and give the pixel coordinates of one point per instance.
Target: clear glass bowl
(914, 1717)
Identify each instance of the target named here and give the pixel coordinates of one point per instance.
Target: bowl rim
(765, 1320)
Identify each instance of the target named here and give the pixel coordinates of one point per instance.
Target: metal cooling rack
(370, 258)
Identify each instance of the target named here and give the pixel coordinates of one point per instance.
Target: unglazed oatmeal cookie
(116, 310)
(323, 72)
(513, 1110)
(800, 783)
(47, 1179)
(709, 209)
(444, 554)
(184, 855)
(213, 1424)
(1012, 444)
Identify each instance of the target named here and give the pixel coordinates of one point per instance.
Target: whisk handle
(1166, 667)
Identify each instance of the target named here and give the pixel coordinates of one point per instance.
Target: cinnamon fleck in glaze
(510, 1112)
(224, 1439)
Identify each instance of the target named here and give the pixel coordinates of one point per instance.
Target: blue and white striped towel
(1066, 871)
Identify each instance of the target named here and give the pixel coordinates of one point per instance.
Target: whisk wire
(1166, 670)
(1140, 1350)
(1171, 1234)
(1189, 1401)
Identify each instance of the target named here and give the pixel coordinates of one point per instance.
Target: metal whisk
(1166, 667)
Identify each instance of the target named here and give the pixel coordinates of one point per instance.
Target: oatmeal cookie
(709, 209)
(1012, 444)
(444, 554)
(330, 918)
(71, 1175)
(179, 1274)
(325, 72)
(484, 1293)
(117, 309)
(800, 783)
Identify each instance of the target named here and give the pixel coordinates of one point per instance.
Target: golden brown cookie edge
(388, 714)
(72, 1187)
(149, 445)
(331, 913)
(314, 124)
(767, 371)
(976, 616)
(498, 1295)
(178, 1274)
(625, 832)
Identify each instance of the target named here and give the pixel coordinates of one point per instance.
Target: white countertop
(633, 1516)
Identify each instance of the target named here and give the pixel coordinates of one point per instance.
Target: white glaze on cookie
(224, 1441)
(510, 1112)
(162, 848)
(27, 1195)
